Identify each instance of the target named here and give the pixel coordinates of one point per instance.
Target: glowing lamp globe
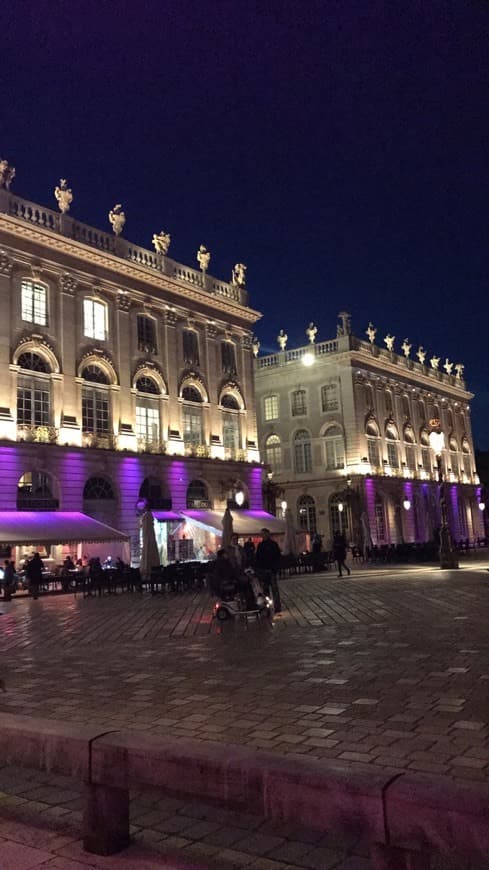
(239, 498)
(406, 504)
(482, 505)
(308, 359)
(437, 442)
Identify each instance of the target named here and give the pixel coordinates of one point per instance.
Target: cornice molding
(42, 236)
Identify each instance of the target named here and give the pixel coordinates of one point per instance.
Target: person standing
(249, 553)
(34, 571)
(8, 579)
(339, 552)
(267, 563)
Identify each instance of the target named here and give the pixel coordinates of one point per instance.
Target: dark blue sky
(337, 148)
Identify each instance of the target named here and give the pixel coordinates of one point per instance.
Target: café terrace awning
(54, 527)
(166, 516)
(245, 522)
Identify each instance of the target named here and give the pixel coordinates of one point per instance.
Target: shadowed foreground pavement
(375, 670)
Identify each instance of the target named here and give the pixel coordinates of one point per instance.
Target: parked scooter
(245, 598)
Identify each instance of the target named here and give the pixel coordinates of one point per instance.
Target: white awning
(245, 522)
(54, 527)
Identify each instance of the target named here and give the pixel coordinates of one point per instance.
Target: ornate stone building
(124, 374)
(344, 425)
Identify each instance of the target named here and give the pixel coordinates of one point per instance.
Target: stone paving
(380, 669)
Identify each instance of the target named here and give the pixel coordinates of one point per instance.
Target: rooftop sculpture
(64, 195)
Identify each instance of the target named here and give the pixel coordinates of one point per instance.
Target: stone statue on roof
(389, 341)
(203, 258)
(459, 368)
(161, 242)
(117, 219)
(238, 276)
(311, 332)
(371, 332)
(421, 354)
(64, 195)
(7, 174)
(448, 366)
(255, 346)
(435, 362)
(282, 339)
(406, 347)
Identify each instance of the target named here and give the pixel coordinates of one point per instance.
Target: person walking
(267, 562)
(33, 572)
(339, 553)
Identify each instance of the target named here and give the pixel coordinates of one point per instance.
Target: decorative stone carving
(255, 346)
(389, 341)
(345, 328)
(117, 219)
(123, 301)
(7, 174)
(435, 362)
(68, 283)
(238, 277)
(448, 366)
(311, 332)
(171, 318)
(161, 242)
(64, 195)
(421, 354)
(203, 258)
(6, 264)
(282, 339)
(371, 332)
(211, 330)
(406, 347)
(459, 369)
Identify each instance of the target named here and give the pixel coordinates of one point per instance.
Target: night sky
(337, 148)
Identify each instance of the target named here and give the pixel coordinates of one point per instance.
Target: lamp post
(448, 558)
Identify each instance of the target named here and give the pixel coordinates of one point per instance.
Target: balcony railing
(101, 442)
(87, 235)
(38, 434)
(149, 446)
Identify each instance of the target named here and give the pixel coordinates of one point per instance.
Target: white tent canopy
(245, 522)
(54, 527)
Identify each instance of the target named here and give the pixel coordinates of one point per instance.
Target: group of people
(233, 560)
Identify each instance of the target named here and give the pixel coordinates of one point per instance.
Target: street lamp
(448, 558)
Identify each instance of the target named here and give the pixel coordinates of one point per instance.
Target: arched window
(97, 488)
(302, 452)
(95, 402)
(191, 394)
(198, 496)
(338, 513)
(95, 319)
(33, 391)
(35, 492)
(335, 448)
(392, 436)
(147, 412)
(379, 520)
(409, 446)
(273, 452)
(34, 304)
(147, 385)
(306, 514)
(373, 442)
(146, 334)
(229, 401)
(95, 374)
(299, 403)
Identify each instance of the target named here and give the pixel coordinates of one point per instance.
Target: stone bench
(404, 817)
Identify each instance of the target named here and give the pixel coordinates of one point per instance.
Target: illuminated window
(273, 452)
(33, 402)
(392, 447)
(147, 421)
(95, 402)
(94, 319)
(338, 514)
(146, 334)
(302, 452)
(373, 452)
(335, 448)
(411, 457)
(426, 458)
(329, 397)
(230, 433)
(306, 514)
(270, 405)
(34, 302)
(299, 403)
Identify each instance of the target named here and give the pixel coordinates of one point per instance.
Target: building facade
(124, 374)
(344, 427)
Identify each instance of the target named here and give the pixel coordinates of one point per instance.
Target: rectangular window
(373, 452)
(329, 397)
(146, 334)
(392, 454)
(454, 463)
(95, 412)
(426, 458)
(94, 319)
(270, 405)
(34, 303)
(379, 522)
(299, 403)
(335, 453)
(303, 457)
(228, 358)
(467, 465)
(190, 348)
(147, 424)
(33, 406)
(192, 427)
(411, 457)
(230, 432)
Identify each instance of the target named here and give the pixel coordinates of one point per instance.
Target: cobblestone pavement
(379, 669)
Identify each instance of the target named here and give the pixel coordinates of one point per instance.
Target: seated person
(225, 577)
